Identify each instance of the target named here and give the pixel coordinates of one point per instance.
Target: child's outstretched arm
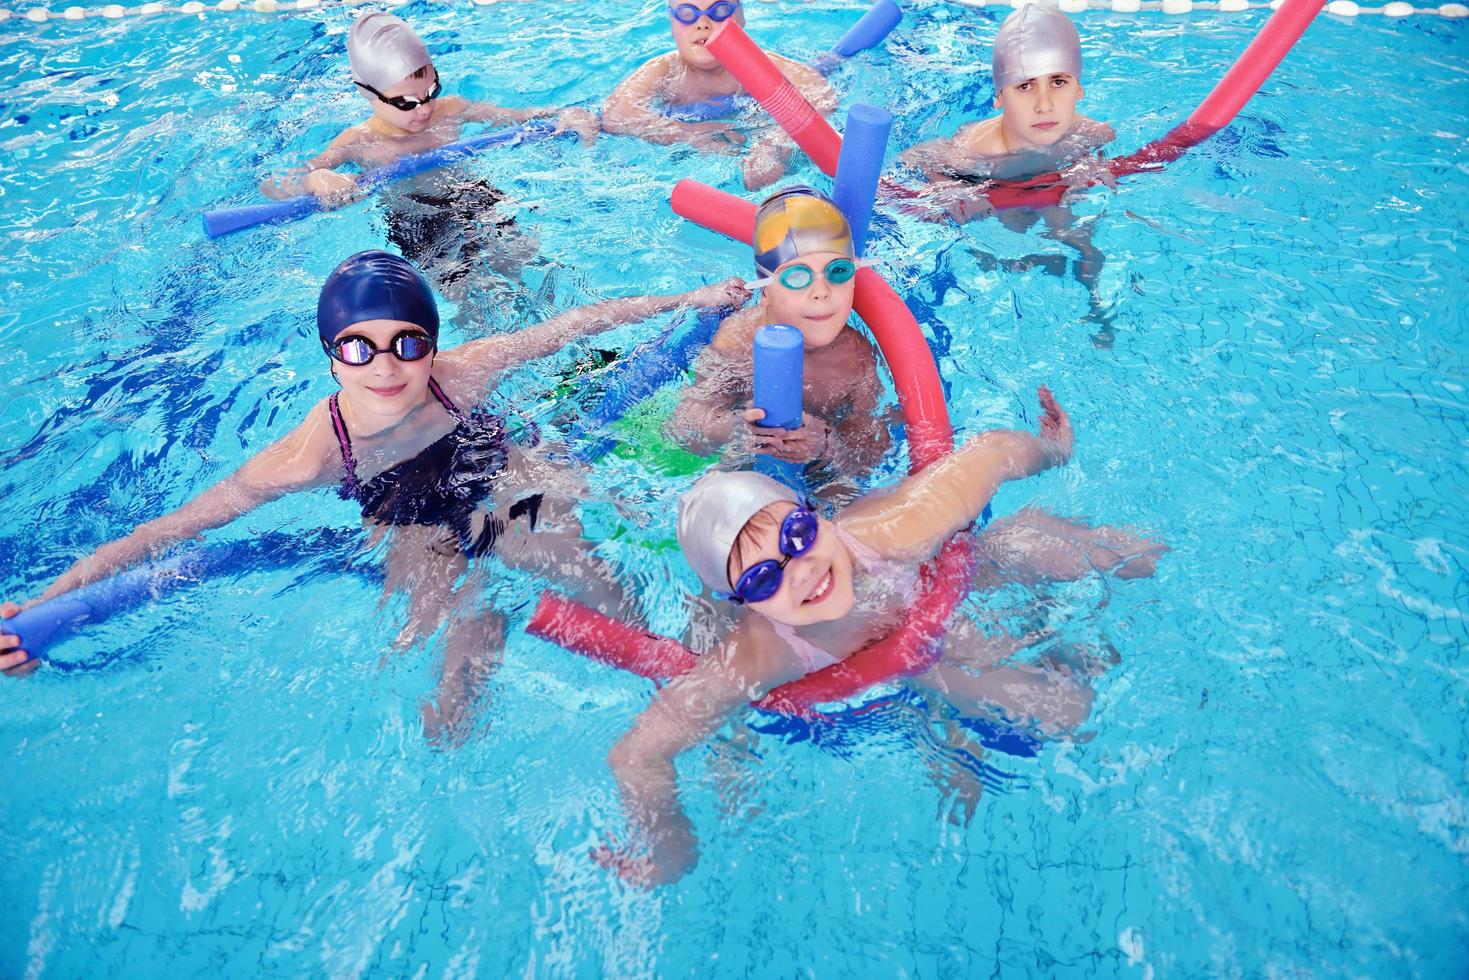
(291, 463)
(579, 121)
(479, 361)
(687, 711)
(706, 417)
(629, 112)
(319, 176)
(928, 508)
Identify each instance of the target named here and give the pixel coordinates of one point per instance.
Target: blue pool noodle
(50, 622)
(222, 221)
(650, 367)
(868, 32)
(780, 358)
(859, 167)
(58, 618)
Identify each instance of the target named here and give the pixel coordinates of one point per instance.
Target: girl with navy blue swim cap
(404, 439)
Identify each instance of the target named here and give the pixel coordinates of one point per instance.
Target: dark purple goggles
(762, 580)
(687, 13)
(410, 345)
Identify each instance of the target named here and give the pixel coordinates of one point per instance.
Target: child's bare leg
(1034, 547)
(1053, 700)
(557, 550)
(472, 648)
(425, 564)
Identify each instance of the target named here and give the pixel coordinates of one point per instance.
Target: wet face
(819, 310)
(815, 587)
(386, 387)
(691, 38)
(1038, 111)
(414, 88)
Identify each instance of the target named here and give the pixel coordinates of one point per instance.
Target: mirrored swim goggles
(410, 345)
(718, 11)
(762, 580)
(800, 275)
(402, 102)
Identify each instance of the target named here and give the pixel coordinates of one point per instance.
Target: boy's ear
(999, 100)
(1080, 92)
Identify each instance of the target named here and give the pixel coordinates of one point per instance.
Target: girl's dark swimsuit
(443, 484)
(447, 231)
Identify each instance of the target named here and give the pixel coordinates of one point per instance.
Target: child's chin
(698, 57)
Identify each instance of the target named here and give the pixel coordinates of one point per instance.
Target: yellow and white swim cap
(797, 221)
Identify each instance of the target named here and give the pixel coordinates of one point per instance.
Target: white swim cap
(383, 50)
(715, 511)
(1033, 41)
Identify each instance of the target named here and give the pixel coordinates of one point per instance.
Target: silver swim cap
(1035, 40)
(715, 511)
(383, 51)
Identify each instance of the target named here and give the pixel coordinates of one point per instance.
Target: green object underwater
(640, 438)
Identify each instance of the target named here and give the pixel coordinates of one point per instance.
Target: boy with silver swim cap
(434, 218)
(1036, 68)
(646, 103)
(808, 268)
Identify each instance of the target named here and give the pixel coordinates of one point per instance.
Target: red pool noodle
(911, 649)
(1218, 109)
(583, 630)
(743, 59)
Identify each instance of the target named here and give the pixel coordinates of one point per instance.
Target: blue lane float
(867, 33)
(223, 221)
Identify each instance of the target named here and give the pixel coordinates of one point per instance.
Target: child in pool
(429, 216)
(404, 439)
(691, 74)
(812, 592)
(803, 252)
(1036, 67)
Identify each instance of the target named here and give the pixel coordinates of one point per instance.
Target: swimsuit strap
(344, 443)
(449, 406)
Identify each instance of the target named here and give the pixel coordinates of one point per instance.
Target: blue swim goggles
(762, 580)
(800, 276)
(718, 11)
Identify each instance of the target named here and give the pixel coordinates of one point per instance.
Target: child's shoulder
(736, 333)
(1093, 132)
(980, 141)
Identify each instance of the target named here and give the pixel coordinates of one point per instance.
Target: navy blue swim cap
(375, 285)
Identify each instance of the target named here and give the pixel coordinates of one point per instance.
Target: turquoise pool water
(1274, 781)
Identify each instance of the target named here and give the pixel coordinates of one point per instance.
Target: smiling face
(815, 587)
(1038, 111)
(386, 388)
(819, 310)
(691, 38)
(415, 87)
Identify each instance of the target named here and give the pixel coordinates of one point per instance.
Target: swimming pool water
(1274, 777)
